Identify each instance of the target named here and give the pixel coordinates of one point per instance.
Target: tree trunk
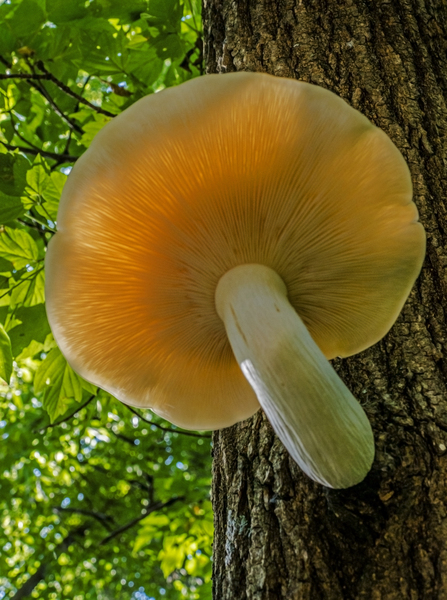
(278, 534)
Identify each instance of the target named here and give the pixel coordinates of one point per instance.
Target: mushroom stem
(317, 418)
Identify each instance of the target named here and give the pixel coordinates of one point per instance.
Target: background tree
(96, 500)
(278, 534)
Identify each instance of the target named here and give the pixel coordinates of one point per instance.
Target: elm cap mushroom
(225, 190)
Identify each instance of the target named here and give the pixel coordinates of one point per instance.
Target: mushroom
(219, 242)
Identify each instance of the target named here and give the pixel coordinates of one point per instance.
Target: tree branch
(5, 62)
(102, 518)
(21, 76)
(18, 134)
(34, 151)
(31, 275)
(50, 425)
(120, 436)
(70, 92)
(47, 76)
(190, 433)
(55, 107)
(31, 583)
(145, 513)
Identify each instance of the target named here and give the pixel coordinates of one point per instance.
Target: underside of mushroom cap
(190, 182)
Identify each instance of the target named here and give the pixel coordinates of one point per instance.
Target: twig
(31, 582)
(193, 18)
(40, 230)
(32, 225)
(120, 436)
(22, 76)
(70, 92)
(89, 513)
(70, 133)
(59, 157)
(29, 585)
(41, 89)
(18, 134)
(5, 62)
(190, 433)
(22, 280)
(47, 76)
(55, 107)
(50, 425)
(39, 223)
(145, 513)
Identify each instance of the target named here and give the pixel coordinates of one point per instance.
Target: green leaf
(13, 168)
(52, 194)
(59, 383)
(169, 46)
(88, 387)
(11, 208)
(7, 41)
(175, 549)
(62, 11)
(5, 355)
(18, 247)
(30, 289)
(164, 13)
(92, 128)
(27, 20)
(32, 325)
(128, 11)
(37, 178)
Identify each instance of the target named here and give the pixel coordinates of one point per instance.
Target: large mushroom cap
(192, 181)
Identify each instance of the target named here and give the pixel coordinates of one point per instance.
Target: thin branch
(22, 76)
(40, 230)
(29, 585)
(41, 89)
(59, 157)
(70, 133)
(47, 76)
(120, 436)
(30, 79)
(18, 134)
(5, 62)
(70, 92)
(50, 425)
(190, 433)
(145, 513)
(39, 223)
(32, 225)
(102, 518)
(22, 280)
(193, 18)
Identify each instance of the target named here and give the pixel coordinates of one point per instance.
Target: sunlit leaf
(92, 128)
(32, 324)
(59, 383)
(17, 246)
(29, 290)
(37, 178)
(5, 355)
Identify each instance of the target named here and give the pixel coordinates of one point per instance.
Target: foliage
(96, 500)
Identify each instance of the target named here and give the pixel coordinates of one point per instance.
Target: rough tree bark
(278, 534)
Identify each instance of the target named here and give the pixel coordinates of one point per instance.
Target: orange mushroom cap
(190, 182)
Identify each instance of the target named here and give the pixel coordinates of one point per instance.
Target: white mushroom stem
(317, 418)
